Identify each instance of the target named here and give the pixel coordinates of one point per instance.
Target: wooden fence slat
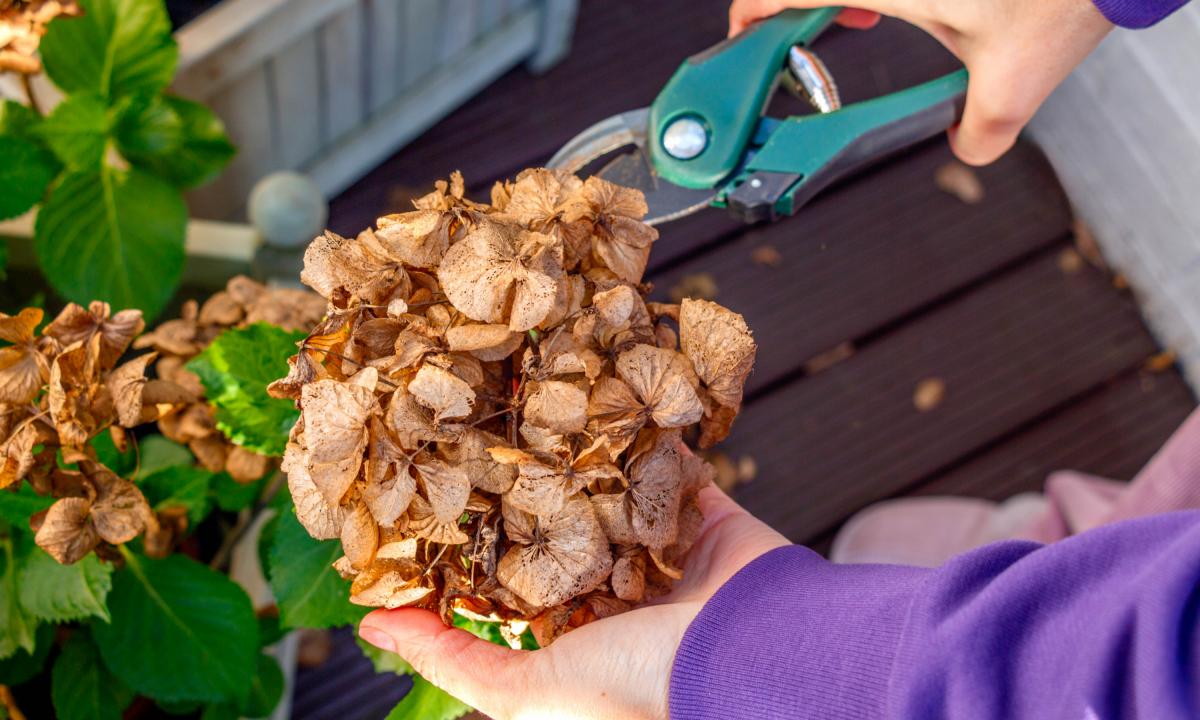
(238, 36)
(491, 12)
(458, 28)
(298, 96)
(1112, 433)
(343, 80)
(1009, 352)
(420, 45)
(385, 28)
(842, 272)
(245, 107)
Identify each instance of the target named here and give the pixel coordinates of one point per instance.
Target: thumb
(998, 107)
(475, 671)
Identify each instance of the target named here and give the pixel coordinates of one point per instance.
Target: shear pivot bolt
(685, 138)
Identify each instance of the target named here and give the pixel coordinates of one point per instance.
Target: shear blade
(666, 200)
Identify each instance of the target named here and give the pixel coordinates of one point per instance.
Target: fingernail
(378, 638)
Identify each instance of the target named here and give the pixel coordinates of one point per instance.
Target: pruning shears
(705, 141)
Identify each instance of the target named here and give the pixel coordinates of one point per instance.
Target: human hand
(617, 667)
(1017, 52)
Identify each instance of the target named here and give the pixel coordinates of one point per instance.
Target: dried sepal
(23, 369)
(557, 557)
(67, 532)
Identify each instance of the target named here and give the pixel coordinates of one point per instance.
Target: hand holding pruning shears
(1017, 52)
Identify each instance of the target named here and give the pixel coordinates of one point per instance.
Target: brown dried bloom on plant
(493, 418)
(22, 25)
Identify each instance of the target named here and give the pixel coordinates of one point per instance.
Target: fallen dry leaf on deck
(928, 394)
(960, 181)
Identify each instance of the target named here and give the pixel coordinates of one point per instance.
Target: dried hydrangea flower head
(493, 417)
(22, 25)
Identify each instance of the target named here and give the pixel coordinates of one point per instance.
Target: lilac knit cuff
(1138, 13)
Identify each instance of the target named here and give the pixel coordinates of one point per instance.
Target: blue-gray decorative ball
(288, 209)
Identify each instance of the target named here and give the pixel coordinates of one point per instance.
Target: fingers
(475, 671)
(744, 12)
(998, 107)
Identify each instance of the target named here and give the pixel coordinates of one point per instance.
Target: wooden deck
(1043, 361)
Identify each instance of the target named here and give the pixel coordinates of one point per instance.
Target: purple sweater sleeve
(1137, 13)
(1102, 625)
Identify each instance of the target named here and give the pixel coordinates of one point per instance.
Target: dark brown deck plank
(1111, 433)
(1017, 347)
(874, 251)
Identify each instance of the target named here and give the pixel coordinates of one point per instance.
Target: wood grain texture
(1016, 347)
(344, 82)
(384, 25)
(299, 97)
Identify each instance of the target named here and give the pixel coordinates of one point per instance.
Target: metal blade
(666, 200)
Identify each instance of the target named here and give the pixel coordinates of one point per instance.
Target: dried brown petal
(446, 488)
(16, 453)
(360, 537)
(498, 275)
(562, 556)
(125, 384)
(484, 472)
(23, 372)
(388, 486)
(423, 522)
(390, 584)
(359, 268)
(720, 347)
(557, 406)
(246, 466)
(489, 343)
(67, 533)
(418, 239)
(442, 392)
(321, 519)
(629, 577)
(75, 324)
(335, 433)
(622, 241)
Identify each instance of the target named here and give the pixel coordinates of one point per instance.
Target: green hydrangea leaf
(233, 496)
(308, 591)
(60, 593)
(236, 369)
(180, 631)
(266, 689)
(118, 47)
(18, 120)
(201, 154)
(3, 260)
(17, 507)
(26, 170)
(82, 688)
(17, 627)
(113, 235)
(24, 665)
(427, 701)
(158, 453)
(185, 486)
(147, 125)
(77, 131)
(122, 463)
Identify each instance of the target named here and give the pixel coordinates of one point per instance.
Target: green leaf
(427, 701)
(60, 593)
(269, 630)
(26, 169)
(147, 125)
(122, 463)
(382, 660)
(17, 627)
(236, 369)
(118, 47)
(266, 689)
(17, 507)
(202, 153)
(82, 688)
(77, 131)
(179, 631)
(233, 496)
(308, 591)
(158, 453)
(113, 235)
(17, 119)
(179, 708)
(3, 260)
(23, 666)
(184, 486)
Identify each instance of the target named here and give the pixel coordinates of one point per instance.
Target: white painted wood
(205, 238)
(239, 35)
(458, 28)
(558, 24)
(384, 31)
(491, 12)
(1123, 133)
(247, 110)
(422, 28)
(296, 79)
(344, 85)
(425, 103)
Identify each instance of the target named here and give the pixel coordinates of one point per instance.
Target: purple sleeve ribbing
(1137, 13)
(1102, 625)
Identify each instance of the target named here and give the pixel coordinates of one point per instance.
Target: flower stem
(28, 86)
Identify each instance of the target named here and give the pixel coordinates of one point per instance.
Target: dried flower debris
(955, 178)
(22, 25)
(62, 387)
(493, 417)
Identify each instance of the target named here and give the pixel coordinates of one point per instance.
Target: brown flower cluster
(62, 387)
(22, 25)
(243, 302)
(492, 416)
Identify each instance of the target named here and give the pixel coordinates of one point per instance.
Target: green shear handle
(726, 89)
